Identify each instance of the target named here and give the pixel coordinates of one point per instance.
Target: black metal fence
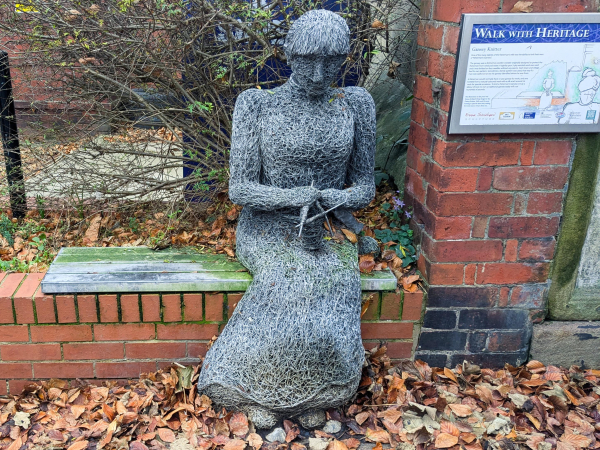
(10, 141)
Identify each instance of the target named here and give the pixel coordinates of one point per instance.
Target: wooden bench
(78, 270)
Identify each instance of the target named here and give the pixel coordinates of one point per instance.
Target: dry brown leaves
(534, 407)
(90, 238)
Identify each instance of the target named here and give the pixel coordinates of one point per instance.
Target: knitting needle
(304, 213)
(318, 216)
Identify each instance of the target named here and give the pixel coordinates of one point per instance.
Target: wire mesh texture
(293, 345)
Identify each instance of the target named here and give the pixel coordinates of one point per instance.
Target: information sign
(527, 73)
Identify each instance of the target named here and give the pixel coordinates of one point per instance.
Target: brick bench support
(488, 207)
(115, 336)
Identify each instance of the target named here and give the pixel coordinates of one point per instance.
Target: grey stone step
(567, 343)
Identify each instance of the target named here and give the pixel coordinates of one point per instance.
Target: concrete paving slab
(567, 343)
(106, 169)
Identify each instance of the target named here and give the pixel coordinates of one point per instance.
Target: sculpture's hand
(332, 197)
(304, 196)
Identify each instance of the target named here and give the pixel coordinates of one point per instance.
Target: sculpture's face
(315, 73)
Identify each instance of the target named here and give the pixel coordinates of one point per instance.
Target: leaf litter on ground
(405, 406)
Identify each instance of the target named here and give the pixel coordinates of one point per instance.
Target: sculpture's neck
(302, 91)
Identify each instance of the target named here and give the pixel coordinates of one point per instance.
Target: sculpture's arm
(245, 162)
(360, 171)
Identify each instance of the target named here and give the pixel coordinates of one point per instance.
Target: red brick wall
(489, 206)
(101, 337)
(38, 103)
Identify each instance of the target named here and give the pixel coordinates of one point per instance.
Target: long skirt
(293, 343)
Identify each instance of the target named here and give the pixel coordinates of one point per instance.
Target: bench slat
(140, 269)
(158, 267)
(140, 254)
(62, 283)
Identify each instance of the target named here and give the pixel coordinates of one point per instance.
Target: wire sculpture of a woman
(292, 347)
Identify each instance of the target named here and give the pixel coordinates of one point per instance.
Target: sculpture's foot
(312, 419)
(261, 418)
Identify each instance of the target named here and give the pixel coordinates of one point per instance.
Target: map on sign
(539, 76)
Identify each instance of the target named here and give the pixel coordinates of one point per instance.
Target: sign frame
(462, 60)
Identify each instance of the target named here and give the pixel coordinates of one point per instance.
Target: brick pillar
(488, 207)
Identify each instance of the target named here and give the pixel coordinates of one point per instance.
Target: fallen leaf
(238, 424)
(352, 443)
(110, 413)
(445, 440)
(79, 445)
(166, 434)
(322, 434)
(361, 417)
(110, 429)
(536, 423)
(22, 420)
(350, 235)
(18, 243)
(576, 440)
(297, 446)
(393, 414)
(571, 397)
(232, 214)
(408, 282)
(449, 428)
(254, 440)
(449, 374)
(291, 430)
(56, 435)
(235, 444)
(522, 7)
(137, 445)
(461, 410)
(77, 410)
(366, 263)
(16, 444)
(337, 445)
(467, 437)
(534, 365)
(380, 436)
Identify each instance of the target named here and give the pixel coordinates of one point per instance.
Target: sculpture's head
(316, 47)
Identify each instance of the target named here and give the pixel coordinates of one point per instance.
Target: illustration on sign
(528, 74)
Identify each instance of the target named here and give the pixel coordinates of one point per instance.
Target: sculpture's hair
(318, 32)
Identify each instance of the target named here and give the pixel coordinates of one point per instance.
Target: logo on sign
(591, 115)
(507, 115)
(529, 115)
